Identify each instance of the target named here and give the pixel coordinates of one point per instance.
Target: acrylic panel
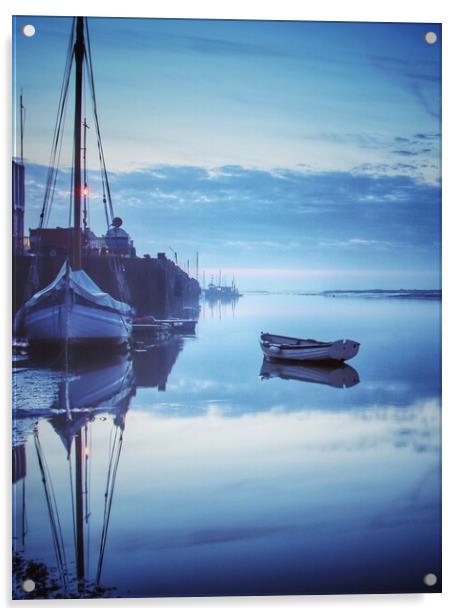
(226, 301)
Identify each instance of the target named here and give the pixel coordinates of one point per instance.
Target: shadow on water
(75, 390)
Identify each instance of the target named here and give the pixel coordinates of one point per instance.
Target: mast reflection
(86, 389)
(219, 307)
(75, 391)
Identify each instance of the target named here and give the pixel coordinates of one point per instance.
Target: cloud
(168, 39)
(357, 243)
(419, 78)
(279, 220)
(210, 535)
(382, 149)
(426, 136)
(405, 152)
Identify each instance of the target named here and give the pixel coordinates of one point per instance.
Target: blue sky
(298, 155)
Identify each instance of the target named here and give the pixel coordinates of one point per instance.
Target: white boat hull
(280, 348)
(76, 324)
(74, 310)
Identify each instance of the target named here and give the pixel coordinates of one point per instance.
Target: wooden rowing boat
(299, 349)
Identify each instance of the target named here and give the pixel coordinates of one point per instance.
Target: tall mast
(79, 52)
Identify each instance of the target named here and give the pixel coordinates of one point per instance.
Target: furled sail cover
(82, 285)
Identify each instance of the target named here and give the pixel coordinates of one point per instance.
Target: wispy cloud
(357, 243)
(421, 78)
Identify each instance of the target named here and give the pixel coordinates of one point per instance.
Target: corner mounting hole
(430, 38)
(28, 585)
(28, 30)
(430, 579)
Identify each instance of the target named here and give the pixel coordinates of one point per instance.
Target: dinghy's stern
(342, 350)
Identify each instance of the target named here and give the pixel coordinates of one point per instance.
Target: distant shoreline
(428, 294)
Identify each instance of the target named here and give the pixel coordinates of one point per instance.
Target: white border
(444, 11)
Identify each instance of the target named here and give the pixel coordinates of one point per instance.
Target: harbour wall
(153, 286)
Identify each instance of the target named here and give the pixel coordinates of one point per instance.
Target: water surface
(205, 479)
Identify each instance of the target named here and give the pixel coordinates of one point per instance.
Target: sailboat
(73, 309)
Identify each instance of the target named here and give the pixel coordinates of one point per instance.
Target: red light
(86, 191)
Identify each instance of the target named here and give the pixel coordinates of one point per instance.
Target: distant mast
(79, 52)
(22, 118)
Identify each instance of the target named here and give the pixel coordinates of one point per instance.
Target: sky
(297, 156)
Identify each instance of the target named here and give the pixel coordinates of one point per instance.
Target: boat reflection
(100, 386)
(332, 374)
(75, 391)
(104, 385)
(217, 308)
(153, 362)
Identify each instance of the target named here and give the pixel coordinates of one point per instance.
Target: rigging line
(109, 494)
(84, 151)
(106, 493)
(53, 494)
(66, 350)
(72, 500)
(116, 265)
(54, 500)
(56, 167)
(86, 202)
(53, 147)
(101, 163)
(51, 187)
(70, 191)
(107, 517)
(100, 153)
(113, 479)
(110, 441)
(104, 180)
(57, 128)
(87, 492)
(86, 196)
(25, 523)
(85, 451)
(88, 55)
(60, 556)
(48, 500)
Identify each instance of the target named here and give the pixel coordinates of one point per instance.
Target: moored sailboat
(73, 309)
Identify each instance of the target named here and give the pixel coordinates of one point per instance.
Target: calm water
(204, 479)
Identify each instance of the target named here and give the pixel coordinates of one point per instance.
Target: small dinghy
(299, 349)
